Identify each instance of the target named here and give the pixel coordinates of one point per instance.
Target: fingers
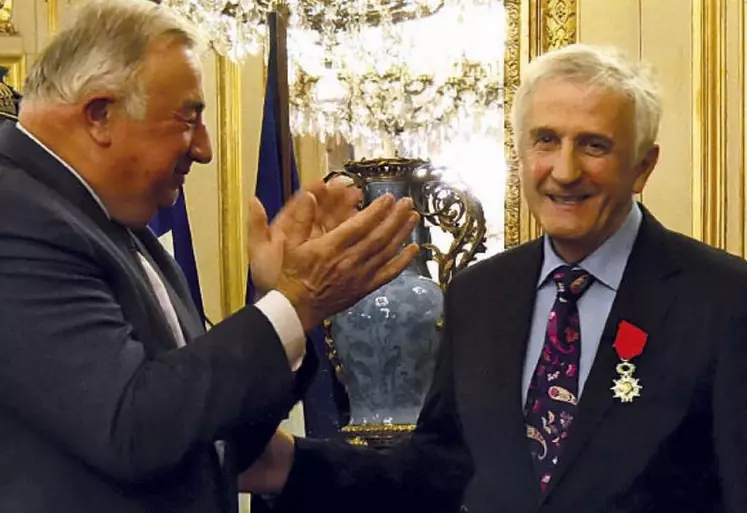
(341, 179)
(265, 249)
(296, 219)
(330, 193)
(336, 201)
(384, 245)
(265, 264)
(341, 193)
(390, 233)
(258, 230)
(316, 188)
(329, 273)
(360, 225)
(396, 265)
(341, 205)
(371, 246)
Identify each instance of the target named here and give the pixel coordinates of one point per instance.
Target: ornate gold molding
(551, 24)
(233, 261)
(511, 78)
(6, 18)
(53, 17)
(709, 122)
(16, 65)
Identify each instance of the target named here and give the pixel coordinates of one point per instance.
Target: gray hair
(603, 67)
(104, 47)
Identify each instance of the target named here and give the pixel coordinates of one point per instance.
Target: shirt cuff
(283, 317)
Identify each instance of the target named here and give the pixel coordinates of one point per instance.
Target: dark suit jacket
(98, 412)
(680, 447)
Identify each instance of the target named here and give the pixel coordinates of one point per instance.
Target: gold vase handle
(452, 207)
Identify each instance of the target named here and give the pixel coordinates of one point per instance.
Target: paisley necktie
(553, 390)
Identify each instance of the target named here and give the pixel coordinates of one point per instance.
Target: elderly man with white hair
(114, 398)
(599, 368)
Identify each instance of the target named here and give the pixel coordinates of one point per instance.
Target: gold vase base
(377, 436)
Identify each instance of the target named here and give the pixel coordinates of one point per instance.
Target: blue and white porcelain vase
(385, 346)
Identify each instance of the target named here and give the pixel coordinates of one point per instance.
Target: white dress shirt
(274, 305)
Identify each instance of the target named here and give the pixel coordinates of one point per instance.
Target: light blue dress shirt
(607, 265)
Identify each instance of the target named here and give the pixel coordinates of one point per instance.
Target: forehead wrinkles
(570, 107)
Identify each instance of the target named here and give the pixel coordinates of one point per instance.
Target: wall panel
(669, 192)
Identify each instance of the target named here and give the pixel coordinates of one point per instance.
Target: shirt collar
(66, 166)
(607, 263)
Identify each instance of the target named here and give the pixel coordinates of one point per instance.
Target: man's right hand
(324, 275)
(269, 473)
(335, 203)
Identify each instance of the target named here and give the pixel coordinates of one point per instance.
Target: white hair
(603, 67)
(104, 47)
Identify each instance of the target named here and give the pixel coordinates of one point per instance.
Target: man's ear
(98, 110)
(645, 167)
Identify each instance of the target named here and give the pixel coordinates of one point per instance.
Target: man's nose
(566, 168)
(201, 150)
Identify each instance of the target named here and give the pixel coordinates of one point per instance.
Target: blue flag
(321, 413)
(175, 220)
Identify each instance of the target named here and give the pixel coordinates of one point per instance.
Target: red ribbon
(629, 341)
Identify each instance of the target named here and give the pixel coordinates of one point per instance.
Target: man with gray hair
(114, 399)
(599, 368)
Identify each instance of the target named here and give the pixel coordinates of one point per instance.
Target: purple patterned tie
(553, 389)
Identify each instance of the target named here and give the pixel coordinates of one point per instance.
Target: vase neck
(420, 234)
(373, 190)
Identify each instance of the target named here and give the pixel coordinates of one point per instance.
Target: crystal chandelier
(235, 28)
(391, 76)
(401, 77)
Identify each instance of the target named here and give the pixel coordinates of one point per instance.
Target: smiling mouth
(568, 199)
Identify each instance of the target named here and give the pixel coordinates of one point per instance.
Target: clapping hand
(335, 203)
(323, 255)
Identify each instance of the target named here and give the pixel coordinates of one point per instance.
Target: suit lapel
(648, 269)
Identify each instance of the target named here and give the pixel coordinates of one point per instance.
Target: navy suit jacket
(98, 410)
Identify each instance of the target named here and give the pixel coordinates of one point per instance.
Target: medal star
(626, 388)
